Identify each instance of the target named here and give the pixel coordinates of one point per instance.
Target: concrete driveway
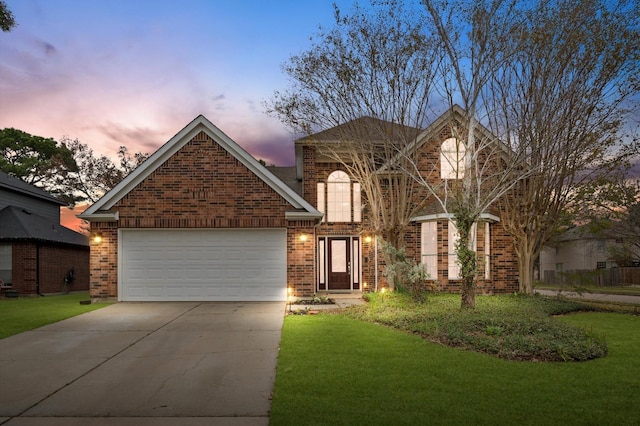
(145, 363)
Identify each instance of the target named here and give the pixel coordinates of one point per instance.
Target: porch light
(303, 237)
(382, 290)
(367, 239)
(364, 284)
(97, 238)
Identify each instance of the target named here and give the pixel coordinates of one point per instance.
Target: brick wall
(103, 281)
(47, 265)
(200, 186)
(503, 263)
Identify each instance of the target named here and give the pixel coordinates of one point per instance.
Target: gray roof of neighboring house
(17, 223)
(288, 176)
(14, 184)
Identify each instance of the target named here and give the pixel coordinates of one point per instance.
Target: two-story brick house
(203, 220)
(37, 254)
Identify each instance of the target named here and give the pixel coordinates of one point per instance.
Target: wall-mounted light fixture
(303, 237)
(97, 238)
(367, 239)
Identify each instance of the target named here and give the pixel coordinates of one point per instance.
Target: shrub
(511, 327)
(407, 275)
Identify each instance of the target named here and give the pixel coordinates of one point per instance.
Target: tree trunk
(467, 259)
(394, 237)
(525, 271)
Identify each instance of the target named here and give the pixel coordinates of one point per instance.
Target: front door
(339, 264)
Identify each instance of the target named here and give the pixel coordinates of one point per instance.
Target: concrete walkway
(145, 364)
(598, 297)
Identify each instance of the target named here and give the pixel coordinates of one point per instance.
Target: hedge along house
(201, 219)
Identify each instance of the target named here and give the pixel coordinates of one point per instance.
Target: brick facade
(42, 268)
(202, 185)
(503, 273)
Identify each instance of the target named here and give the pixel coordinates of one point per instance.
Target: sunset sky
(135, 72)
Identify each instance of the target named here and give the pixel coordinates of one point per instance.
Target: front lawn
(27, 313)
(333, 369)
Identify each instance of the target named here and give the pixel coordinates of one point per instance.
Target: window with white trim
(341, 196)
(453, 237)
(320, 195)
(429, 250)
(487, 252)
(452, 152)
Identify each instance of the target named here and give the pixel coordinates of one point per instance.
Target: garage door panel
(207, 265)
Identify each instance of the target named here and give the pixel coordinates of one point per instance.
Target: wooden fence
(612, 277)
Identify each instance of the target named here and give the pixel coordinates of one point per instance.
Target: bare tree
(95, 175)
(367, 81)
(477, 38)
(563, 102)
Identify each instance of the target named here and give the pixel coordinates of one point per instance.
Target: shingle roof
(17, 223)
(14, 184)
(368, 128)
(288, 176)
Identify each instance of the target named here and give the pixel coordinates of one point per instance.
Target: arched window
(452, 152)
(338, 197)
(341, 195)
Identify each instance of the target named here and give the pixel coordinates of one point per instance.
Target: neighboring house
(201, 219)
(576, 250)
(37, 254)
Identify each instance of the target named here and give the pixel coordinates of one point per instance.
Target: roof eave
(100, 216)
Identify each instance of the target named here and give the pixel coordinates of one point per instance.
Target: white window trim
(321, 199)
(487, 251)
(429, 248)
(328, 199)
(452, 159)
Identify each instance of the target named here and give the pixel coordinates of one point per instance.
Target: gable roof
(14, 184)
(17, 223)
(99, 210)
(455, 114)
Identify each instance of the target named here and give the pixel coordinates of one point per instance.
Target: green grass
(335, 370)
(27, 313)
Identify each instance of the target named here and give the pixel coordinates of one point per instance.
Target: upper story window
(452, 152)
(342, 200)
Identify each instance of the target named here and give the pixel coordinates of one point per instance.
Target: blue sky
(135, 72)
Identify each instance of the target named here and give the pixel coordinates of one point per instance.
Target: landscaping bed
(510, 327)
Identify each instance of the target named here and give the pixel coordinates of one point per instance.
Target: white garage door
(203, 265)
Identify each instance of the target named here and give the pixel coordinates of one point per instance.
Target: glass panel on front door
(338, 255)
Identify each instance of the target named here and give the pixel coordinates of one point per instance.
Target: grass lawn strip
(337, 370)
(28, 313)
